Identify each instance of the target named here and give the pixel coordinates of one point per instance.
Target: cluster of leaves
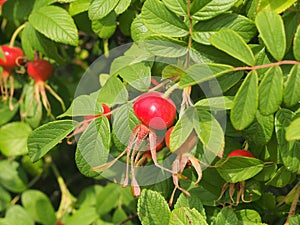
(239, 59)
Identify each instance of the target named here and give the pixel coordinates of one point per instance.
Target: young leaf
(204, 10)
(199, 73)
(296, 47)
(153, 209)
(45, 137)
(101, 8)
(78, 7)
(203, 30)
(55, 23)
(245, 102)
(113, 92)
(233, 44)
(236, 169)
(215, 103)
(293, 130)
(138, 29)
(13, 138)
(186, 216)
(281, 178)
(122, 6)
(271, 29)
(248, 216)
(158, 18)
(271, 91)
(106, 26)
(291, 93)
(38, 206)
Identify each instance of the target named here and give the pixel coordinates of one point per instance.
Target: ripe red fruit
(168, 134)
(40, 70)
(12, 55)
(59, 223)
(241, 152)
(2, 2)
(106, 109)
(155, 111)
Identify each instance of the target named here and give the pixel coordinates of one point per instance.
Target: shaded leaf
(106, 26)
(293, 130)
(291, 93)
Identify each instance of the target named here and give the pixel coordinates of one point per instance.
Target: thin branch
(284, 62)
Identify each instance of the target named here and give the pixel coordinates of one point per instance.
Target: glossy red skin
(2, 2)
(12, 54)
(155, 111)
(59, 223)
(241, 152)
(106, 109)
(167, 138)
(40, 70)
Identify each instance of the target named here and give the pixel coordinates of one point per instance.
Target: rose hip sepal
(106, 110)
(155, 111)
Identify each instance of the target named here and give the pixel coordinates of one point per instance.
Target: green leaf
(277, 6)
(233, 44)
(215, 103)
(186, 216)
(17, 215)
(183, 129)
(33, 41)
(296, 47)
(55, 23)
(106, 201)
(245, 102)
(203, 30)
(79, 6)
(207, 9)
(122, 6)
(113, 92)
(294, 220)
(5, 199)
(93, 145)
(13, 138)
(45, 137)
(38, 206)
(164, 46)
(83, 105)
(293, 130)
(248, 217)
(210, 132)
(12, 177)
(226, 217)
(261, 130)
(281, 178)
(106, 26)
(82, 216)
(199, 73)
(289, 151)
(101, 8)
(271, 29)
(6, 113)
(236, 169)
(291, 93)
(177, 6)
(159, 19)
(137, 75)
(153, 208)
(271, 91)
(138, 29)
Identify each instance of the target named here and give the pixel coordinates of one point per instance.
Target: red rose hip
(40, 70)
(155, 111)
(11, 56)
(241, 152)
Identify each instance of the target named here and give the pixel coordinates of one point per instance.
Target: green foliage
(232, 70)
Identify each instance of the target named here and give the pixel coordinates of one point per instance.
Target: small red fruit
(40, 70)
(155, 111)
(106, 109)
(12, 55)
(168, 134)
(241, 152)
(2, 2)
(59, 223)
